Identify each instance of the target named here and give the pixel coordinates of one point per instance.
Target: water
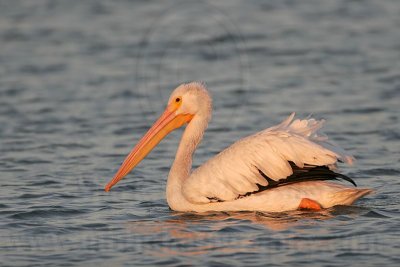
(81, 81)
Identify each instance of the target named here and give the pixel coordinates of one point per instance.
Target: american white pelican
(285, 167)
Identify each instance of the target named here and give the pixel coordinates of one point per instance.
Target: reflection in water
(198, 234)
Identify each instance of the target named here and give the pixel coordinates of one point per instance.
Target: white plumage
(234, 171)
(232, 179)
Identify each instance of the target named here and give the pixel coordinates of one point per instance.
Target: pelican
(285, 167)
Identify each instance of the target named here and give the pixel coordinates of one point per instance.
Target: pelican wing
(264, 159)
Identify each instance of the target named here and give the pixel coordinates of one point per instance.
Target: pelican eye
(177, 100)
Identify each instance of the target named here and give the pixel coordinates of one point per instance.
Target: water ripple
(47, 213)
(79, 83)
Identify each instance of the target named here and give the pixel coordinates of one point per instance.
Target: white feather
(234, 171)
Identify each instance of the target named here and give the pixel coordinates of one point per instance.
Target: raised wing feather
(241, 168)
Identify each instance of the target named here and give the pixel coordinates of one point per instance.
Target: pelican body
(285, 167)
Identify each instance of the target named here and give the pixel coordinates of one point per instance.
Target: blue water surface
(81, 81)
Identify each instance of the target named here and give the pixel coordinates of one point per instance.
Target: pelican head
(187, 101)
(191, 98)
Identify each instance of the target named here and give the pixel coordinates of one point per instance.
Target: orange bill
(167, 122)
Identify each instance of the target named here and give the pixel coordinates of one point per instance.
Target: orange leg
(309, 204)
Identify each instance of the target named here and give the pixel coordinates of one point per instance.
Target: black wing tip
(346, 178)
(308, 173)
